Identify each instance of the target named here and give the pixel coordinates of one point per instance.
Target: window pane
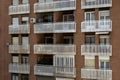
(25, 20)
(15, 2)
(25, 1)
(107, 65)
(15, 40)
(102, 65)
(15, 21)
(24, 59)
(90, 63)
(25, 40)
(89, 39)
(15, 59)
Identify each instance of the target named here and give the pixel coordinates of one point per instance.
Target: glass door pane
(15, 21)
(89, 16)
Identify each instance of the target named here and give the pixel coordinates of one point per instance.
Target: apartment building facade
(59, 40)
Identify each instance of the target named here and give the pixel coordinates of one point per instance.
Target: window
(15, 21)
(15, 2)
(104, 63)
(45, 17)
(45, 60)
(68, 17)
(25, 1)
(64, 61)
(89, 16)
(25, 59)
(104, 15)
(104, 39)
(25, 40)
(89, 62)
(14, 76)
(15, 40)
(15, 59)
(90, 39)
(24, 77)
(68, 40)
(25, 20)
(48, 40)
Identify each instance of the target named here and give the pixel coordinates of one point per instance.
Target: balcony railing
(48, 70)
(87, 4)
(65, 71)
(19, 9)
(19, 49)
(100, 50)
(96, 26)
(102, 74)
(58, 27)
(54, 49)
(19, 29)
(19, 68)
(55, 6)
(44, 70)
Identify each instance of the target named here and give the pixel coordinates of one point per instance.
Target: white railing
(19, 49)
(96, 26)
(50, 70)
(19, 9)
(44, 70)
(55, 6)
(103, 74)
(55, 49)
(58, 27)
(19, 29)
(100, 50)
(19, 68)
(86, 4)
(65, 71)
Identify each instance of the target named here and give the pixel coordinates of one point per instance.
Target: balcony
(88, 4)
(19, 68)
(49, 70)
(19, 29)
(96, 26)
(19, 49)
(55, 49)
(100, 74)
(58, 27)
(99, 50)
(55, 6)
(19, 9)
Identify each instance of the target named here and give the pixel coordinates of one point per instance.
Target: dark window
(45, 18)
(90, 39)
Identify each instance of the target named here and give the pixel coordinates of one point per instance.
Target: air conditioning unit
(32, 20)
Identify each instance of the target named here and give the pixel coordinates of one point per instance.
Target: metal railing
(54, 49)
(19, 9)
(96, 26)
(58, 27)
(96, 74)
(86, 4)
(19, 49)
(19, 68)
(50, 70)
(55, 6)
(100, 50)
(19, 29)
